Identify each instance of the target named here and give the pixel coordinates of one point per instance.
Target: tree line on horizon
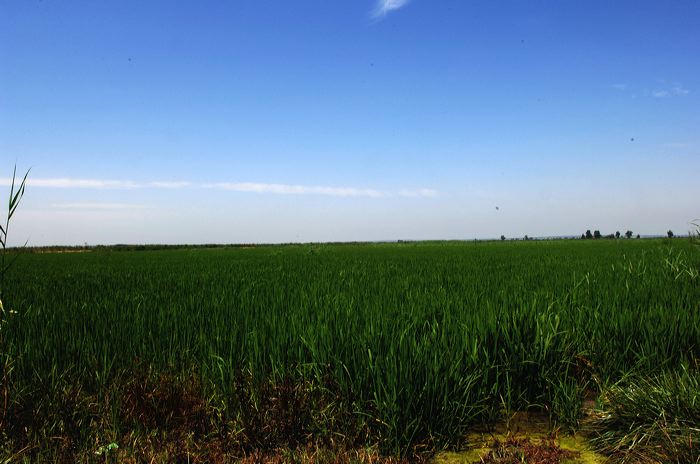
(597, 235)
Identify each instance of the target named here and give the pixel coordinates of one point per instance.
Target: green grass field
(403, 347)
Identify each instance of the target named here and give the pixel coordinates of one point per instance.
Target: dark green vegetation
(654, 419)
(227, 352)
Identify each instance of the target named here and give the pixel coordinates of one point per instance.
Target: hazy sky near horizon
(283, 121)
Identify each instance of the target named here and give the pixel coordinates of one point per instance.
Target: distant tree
(669, 233)
(628, 234)
(617, 234)
(583, 236)
(526, 238)
(588, 234)
(503, 237)
(596, 234)
(638, 236)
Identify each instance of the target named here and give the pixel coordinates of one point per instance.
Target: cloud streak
(287, 189)
(384, 7)
(675, 91)
(70, 183)
(78, 183)
(169, 184)
(98, 206)
(244, 187)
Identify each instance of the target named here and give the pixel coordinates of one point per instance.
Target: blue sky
(277, 121)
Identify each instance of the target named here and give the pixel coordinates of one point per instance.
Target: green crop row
(418, 342)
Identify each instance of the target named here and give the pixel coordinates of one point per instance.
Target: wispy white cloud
(383, 7)
(679, 90)
(99, 206)
(78, 183)
(249, 187)
(70, 183)
(422, 192)
(664, 89)
(287, 189)
(676, 90)
(169, 184)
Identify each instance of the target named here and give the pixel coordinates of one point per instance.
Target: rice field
(402, 347)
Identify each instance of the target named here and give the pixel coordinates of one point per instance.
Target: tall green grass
(651, 419)
(13, 201)
(419, 342)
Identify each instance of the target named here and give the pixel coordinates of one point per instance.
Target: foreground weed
(12, 204)
(105, 451)
(651, 420)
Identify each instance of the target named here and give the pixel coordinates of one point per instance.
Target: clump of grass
(292, 412)
(515, 450)
(157, 415)
(651, 420)
(160, 401)
(315, 455)
(695, 235)
(567, 403)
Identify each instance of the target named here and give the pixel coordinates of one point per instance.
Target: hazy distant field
(401, 344)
